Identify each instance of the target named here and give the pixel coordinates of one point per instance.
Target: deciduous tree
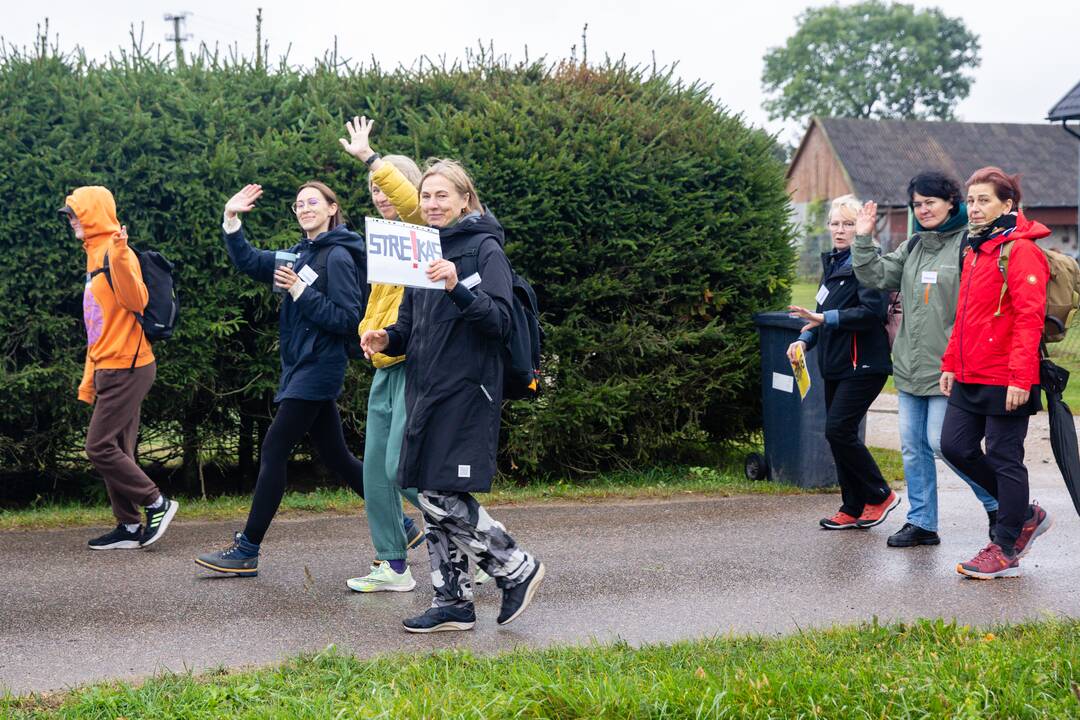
(871, 60)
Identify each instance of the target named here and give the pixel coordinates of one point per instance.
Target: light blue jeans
(921, 418)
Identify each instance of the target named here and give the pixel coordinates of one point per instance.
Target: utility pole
(258, 40)
(177, 36)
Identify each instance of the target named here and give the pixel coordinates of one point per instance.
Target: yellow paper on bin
(802, 375)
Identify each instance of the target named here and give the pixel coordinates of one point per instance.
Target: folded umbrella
(1062, 429)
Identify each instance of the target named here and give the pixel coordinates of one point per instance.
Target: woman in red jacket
(990, 370)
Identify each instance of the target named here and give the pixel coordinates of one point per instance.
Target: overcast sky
(1029, 50)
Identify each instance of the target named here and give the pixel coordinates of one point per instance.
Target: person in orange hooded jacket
(990, 370)
(119, 370)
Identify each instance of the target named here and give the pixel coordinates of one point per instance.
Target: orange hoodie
(112, 331)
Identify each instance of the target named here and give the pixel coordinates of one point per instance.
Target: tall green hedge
(652, 222)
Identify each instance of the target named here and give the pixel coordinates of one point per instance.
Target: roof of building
(1068, 107)
(881, 156)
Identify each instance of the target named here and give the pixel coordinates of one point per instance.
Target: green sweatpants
(382, 450)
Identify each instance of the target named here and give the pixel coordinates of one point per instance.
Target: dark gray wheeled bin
(796, 451)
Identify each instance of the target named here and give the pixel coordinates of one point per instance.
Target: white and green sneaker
(481, 577)
(383, 578)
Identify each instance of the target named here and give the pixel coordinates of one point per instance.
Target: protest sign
(399, 253)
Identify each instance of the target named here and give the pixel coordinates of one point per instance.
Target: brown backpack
(1062, 291)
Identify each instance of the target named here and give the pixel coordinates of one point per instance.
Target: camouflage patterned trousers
(460, 529)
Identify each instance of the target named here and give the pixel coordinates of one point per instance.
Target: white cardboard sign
(398, 253)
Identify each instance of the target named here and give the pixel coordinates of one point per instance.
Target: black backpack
(521, 371)
(318, 265)
(158, 320)
(521, 378)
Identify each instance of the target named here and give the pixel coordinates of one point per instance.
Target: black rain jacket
(315, 328)
(853, 341)
(454, 372)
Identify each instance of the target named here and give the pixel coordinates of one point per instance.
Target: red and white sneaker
(840, 521)
(1036, 525)
(990, 563)
(875, 514)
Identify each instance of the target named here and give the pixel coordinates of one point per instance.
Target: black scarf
(981, 233)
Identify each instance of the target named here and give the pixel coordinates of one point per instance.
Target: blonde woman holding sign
(455, 339)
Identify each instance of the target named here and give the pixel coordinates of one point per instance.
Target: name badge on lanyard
(929, 277)
(822, 293)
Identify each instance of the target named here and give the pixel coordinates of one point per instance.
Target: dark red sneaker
(1036, 525)
(875, 514)
(990, 563)
(840, 521)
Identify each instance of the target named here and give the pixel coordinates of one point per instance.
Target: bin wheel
(756, 467)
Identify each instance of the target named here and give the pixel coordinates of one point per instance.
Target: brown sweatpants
(111, 438)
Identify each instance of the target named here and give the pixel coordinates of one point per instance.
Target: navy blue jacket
(315, 328)
(454, 373)
(853, 341)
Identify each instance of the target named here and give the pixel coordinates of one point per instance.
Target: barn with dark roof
(1067, 108)
(875, 159)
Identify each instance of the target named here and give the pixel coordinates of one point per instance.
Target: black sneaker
(241, 558)
(991, 516)
(912, 535)
(414, 536)
(119, 539)
(517, 598)
(440, 619)
(157, 521)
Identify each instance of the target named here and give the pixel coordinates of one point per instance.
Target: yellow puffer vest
(382, 305)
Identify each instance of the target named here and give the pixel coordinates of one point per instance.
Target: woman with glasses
(322, 282)
(848, 328)
(926, 271)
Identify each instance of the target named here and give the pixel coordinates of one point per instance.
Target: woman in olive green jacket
(392, 181)
(926, 271)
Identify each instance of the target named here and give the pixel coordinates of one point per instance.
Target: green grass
(928, 669)
(891, 464)
(658, 483)
(802, 294)
(1067, 355)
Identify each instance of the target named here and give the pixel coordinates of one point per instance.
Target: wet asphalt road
(643, 572)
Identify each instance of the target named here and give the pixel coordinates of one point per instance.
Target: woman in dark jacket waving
(848, 329)
(455, 341)
(321, 308)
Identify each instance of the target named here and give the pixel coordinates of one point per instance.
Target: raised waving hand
(358, 145)
(243, 201)
(866, 218)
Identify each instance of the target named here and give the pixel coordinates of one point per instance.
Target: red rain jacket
(989, 346)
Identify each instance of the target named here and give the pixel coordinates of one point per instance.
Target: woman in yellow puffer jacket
(392, 181)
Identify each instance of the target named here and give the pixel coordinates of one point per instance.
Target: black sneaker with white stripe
(517, 598)
(441, 619)
(119, 539)
(157, 521)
